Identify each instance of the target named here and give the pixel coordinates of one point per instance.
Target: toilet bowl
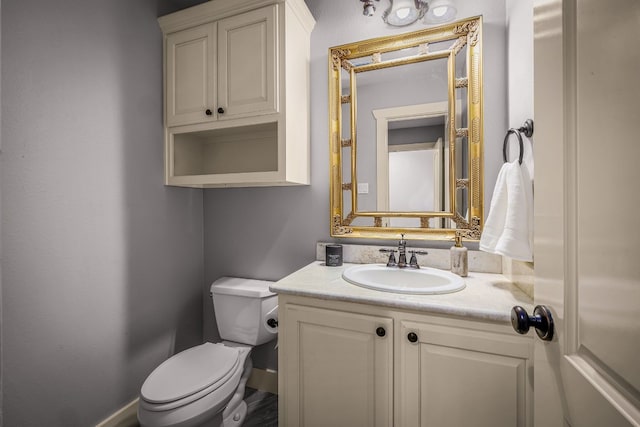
(204, 385)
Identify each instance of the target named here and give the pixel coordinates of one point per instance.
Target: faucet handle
(413, 262)
(392, 257)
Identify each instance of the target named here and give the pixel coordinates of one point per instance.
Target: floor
(262, 409)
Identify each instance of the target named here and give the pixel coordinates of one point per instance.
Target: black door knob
(272, 323)
(220, 110)
(381, 332)
(541, 320)
(208, 112)
(412, 337)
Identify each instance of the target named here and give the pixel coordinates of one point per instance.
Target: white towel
(508, 230)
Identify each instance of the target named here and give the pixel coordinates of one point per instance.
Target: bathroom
(105, 272)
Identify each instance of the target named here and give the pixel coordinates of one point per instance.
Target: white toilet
(204, 385)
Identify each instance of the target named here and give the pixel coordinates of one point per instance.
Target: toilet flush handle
(272, 323)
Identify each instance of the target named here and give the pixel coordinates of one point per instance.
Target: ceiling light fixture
(406, 12)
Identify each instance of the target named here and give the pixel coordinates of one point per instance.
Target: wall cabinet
(237, 93)
(335, 368)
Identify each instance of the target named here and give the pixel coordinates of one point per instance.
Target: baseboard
(264, 379)
(127, 416)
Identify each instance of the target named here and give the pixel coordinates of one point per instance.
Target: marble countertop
(487, 296)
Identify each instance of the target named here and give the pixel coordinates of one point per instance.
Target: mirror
(406, 134)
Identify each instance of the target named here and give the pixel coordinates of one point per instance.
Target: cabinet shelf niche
(236, 156)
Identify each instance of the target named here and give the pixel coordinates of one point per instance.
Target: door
(247, 63)
(338, 369)
(587, 243)
(190, 76)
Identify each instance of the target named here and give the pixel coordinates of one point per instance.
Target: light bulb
(403, 12)
(440, 11)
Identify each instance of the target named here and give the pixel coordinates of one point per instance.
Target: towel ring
(527, 129)
(506, 141)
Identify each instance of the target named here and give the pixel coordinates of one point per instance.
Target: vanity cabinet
(425, 370)
(236, 93)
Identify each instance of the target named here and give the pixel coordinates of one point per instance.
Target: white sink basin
(424, 281)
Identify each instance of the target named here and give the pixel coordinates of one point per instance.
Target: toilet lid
(189, 372)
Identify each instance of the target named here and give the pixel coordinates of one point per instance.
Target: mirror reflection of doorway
(415, 181)
(413, 162)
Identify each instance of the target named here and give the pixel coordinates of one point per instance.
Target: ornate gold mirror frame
(348, 59)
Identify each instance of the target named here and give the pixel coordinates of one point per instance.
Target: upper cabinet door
(247, 64)
(190, 75)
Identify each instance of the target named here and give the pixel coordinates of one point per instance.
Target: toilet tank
(242, 308)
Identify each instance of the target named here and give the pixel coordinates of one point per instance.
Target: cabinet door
(190, 75)
(338, 369)
(459, 377)
(247, 64)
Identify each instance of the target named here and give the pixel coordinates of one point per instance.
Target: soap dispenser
(459, 259)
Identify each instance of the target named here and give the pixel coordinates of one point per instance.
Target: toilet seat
(200, 411)
(190, 375)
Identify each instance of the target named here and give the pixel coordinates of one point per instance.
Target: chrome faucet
(402, 249)
(402, 257)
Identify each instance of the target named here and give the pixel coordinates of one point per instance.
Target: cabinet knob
(208, 112)
(541, 321)
(412, 337)
(220, 110)
(380, 331)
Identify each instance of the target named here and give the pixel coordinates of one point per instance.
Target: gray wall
(416, 135)
(268, 233)
(520, 53)
(102, 264)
